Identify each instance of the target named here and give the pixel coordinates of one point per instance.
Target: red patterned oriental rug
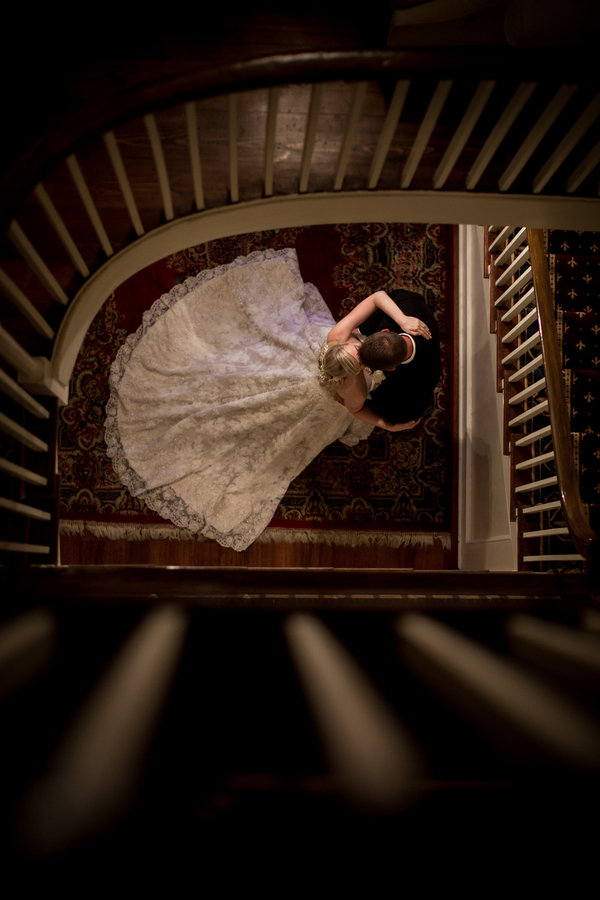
(390, 490)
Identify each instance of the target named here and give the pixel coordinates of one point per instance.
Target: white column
(487, 537)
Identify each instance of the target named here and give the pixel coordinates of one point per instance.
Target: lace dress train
(215, 404)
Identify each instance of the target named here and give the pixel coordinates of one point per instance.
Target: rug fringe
(134, 532)
(354, 538)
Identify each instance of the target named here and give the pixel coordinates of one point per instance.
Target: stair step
(555, 557)
(16, 547)
(525, 322)
(530, 413)
(501, 236)
(535, 461)
(514, 310)
(512, 246)
(24, 474)
(534, 388)
(522, 349)
(545, 532)
(536, 485)
(540, 507)
(536, 363)
(24, 509)
(519, 283)
(514, 267)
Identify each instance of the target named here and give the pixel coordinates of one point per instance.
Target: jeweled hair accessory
(324, 377)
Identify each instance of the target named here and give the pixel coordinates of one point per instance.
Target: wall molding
(487, 538)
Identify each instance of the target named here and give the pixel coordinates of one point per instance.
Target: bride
(233, 383)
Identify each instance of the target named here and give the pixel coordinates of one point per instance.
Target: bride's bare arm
(361, 312)
(360, 411)
(367, 415)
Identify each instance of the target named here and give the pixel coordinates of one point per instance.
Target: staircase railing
(480, 77)
(552, 523)
(28, 466)
(584, 537)
(372, 136)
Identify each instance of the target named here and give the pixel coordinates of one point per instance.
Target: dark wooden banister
(584, 537)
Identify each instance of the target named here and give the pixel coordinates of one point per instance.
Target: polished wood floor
(89, 550)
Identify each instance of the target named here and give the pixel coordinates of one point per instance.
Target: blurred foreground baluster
(91, 780)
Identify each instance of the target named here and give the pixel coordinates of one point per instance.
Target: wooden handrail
(284, 589)
(584, 537)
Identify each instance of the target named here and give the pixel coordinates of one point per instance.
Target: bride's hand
(401, 426)
(416, 327)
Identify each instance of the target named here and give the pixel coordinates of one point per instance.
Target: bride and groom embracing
(382, 360)
(228, 389)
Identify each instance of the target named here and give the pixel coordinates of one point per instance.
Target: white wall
(487, 537)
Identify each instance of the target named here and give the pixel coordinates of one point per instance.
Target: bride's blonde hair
(336, 363)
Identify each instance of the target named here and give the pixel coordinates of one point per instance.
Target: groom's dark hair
(383, 350)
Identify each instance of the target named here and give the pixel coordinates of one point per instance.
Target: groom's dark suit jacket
(407, 392)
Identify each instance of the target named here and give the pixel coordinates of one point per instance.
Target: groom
(407, 392)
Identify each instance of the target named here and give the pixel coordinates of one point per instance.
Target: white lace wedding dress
(215, 403)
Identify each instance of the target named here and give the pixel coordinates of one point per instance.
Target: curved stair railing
(269, 143)
(553, 528)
